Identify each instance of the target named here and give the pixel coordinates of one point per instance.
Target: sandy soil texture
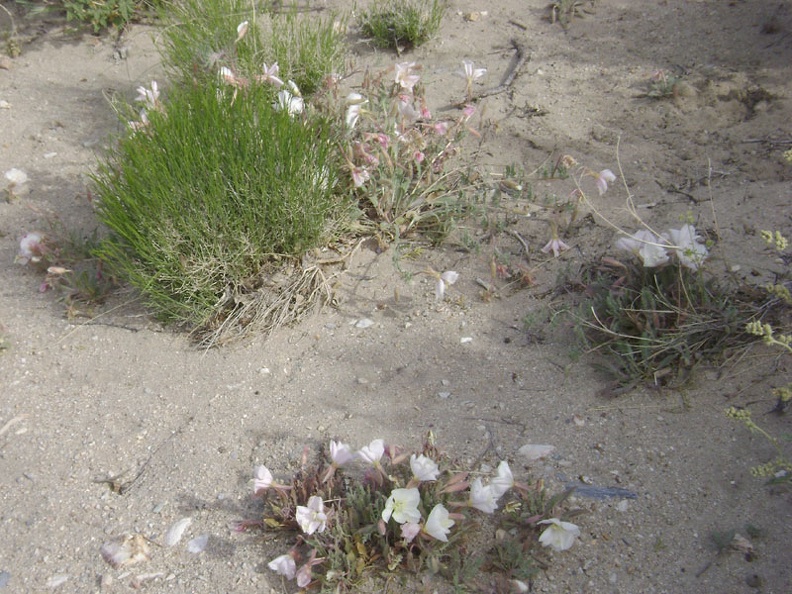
(86, 399)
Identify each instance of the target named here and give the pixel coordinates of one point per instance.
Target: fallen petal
(198, 544)
(174, 534)
(125, 550)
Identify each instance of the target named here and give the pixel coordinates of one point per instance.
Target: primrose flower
(360, 176)
(438, 524)
(149, 96)
(262, 479)
(483, 498)
(448, 277)
(602, 178)
(144, 121)
(355, 103)
(304, 574)
(559, 535)
(423, 468)
(409, 530)
(503, 480)
(242, 29)
(312, 518)
(402, 505)
(648, 246)
(270, 75)
(290, 100)
(283, 565)
(373, 452)
(407, 109)
(471, 75)
(31, 248)
(405, 77)
(556, 246)
(686, 246)
(340, 453)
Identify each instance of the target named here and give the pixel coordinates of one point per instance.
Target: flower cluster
(407, 500)
(656, 250)
(393, 142)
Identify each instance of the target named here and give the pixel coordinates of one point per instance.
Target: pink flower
(340, 453)
(360, 176)
(556, 246)
(283, 565)
(468, 111)
(410, 530)
(440, 128)
(270, 75)
(405, 77)
(262, 479)
(31, 248)
(419, 156)
(602, 178)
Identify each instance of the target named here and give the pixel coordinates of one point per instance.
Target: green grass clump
(203, 37)
(217, 186)
(401, 24)
(103, 14)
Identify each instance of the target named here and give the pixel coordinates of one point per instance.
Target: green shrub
(401, 24)
(203, 197)
(107, 13)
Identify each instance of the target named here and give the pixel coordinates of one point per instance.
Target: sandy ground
(86, 399)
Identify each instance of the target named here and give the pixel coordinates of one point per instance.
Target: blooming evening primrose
(423, 468)
(312, 518)
(503, 480)
(602, 178)
(283, 565)
(340, 453)
(402, 505)
(482, 498)
(405, 77)
(373, 452)
(448, 277)
(262, 479)
(559, 535)
(688, 250)
(438, 524)
(649, 247)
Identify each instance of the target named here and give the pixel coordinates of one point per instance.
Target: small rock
(5, 577)
(4, 104)
(623, 505)
(444, 395)
(535, 452)
(364, 323)
(16, 176)
(57, 580)
(174, 534)
(466, 339)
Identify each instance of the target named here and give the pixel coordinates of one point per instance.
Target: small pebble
(364, 323)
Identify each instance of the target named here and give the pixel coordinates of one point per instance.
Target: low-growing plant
(780, 468)
(401, 24)
(564, 11)
(103, 14)
(663, 85)
(398, 158)
(403, 511)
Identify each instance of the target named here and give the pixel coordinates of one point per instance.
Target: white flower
(373, 452)
(687, 248)
(438, 524)
(228, 75)
(262, 479)
(355, 102)
(283, 565)
(340, 453)
(312, 518)
(405, 76)
(649, 247)
(448, 277)
(424, 468)
(482, 498)
(402, 505)
(559, 535)
(471, 74)
(31, 248)
(242, 29)
(149, 96)
(503, 481)
(291, 101)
